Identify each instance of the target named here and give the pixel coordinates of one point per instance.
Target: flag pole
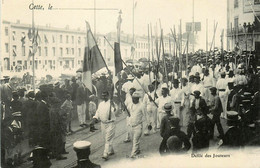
(33, 58)
(131, 73)
(149, 54)
(180, 56)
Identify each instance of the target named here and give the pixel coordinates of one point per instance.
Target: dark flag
(118, 59)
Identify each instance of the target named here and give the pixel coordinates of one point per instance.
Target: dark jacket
(233, 137)
(43, 117)
(202, 106)
(216, 109)
(74, 86)
(81, 95)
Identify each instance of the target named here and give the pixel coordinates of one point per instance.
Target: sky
(169, 12)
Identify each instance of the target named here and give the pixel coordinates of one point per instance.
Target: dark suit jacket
(43, 118)
(87, 164)
(233, 137)
(202, 105)
(81, 95)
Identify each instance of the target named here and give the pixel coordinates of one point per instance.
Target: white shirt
(102, 112)
(198, 87)
(176, 94)
(221, 83)
(161, 102)
(208, 81)
(196, 68)
(147, 103)
(137, 115)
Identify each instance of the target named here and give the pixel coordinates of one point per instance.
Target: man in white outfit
(150, 109)
(222, 85)
(106, 113)
(165, 98)
(136, 119)
(128, 101)
(175, 94)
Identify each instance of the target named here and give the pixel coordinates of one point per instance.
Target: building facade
(62, 49)
(243, 25)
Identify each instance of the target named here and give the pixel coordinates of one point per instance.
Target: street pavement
(149, 146)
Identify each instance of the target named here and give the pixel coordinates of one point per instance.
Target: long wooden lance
(133, 75)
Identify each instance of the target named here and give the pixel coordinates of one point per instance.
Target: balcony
(248, 29)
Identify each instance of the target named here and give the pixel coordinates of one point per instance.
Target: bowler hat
(174, 143)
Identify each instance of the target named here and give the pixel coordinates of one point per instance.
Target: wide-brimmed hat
(167, 107)
(233, 116)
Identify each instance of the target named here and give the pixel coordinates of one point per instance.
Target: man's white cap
(82, 144)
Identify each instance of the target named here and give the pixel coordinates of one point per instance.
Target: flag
(93, 59)
(135, 4)
(117, 58)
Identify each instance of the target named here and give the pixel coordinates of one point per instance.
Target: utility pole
(95, 18)
(206, 42)
(33, 56)
(193, 26)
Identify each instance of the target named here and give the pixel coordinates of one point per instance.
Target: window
(256, 2)
(14, 35)
(72, 63)
(30, 62)
(60, 38)
(23, 50)
(14, 50)
(45, 62)
(104, 42)
(6, 31)
(235, 3)
(46, 51)
(79, 40)
(6, 48)
(105, 53)
(25, 64)
(61, 51)
(79, 52)
(40, 52)
(14, 63)
(67, 51)
(60, 63)
(53, 51)
(72, 51)
(72, 39)
(78, 62)
(67, 39)
(53, 38)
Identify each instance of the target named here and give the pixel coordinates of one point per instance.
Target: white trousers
(108, 132)
(81, 109)
(136, 134)
(151, 115)
(128, 129)
(223, 99)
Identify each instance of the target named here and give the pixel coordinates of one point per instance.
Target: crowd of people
(184, 109)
